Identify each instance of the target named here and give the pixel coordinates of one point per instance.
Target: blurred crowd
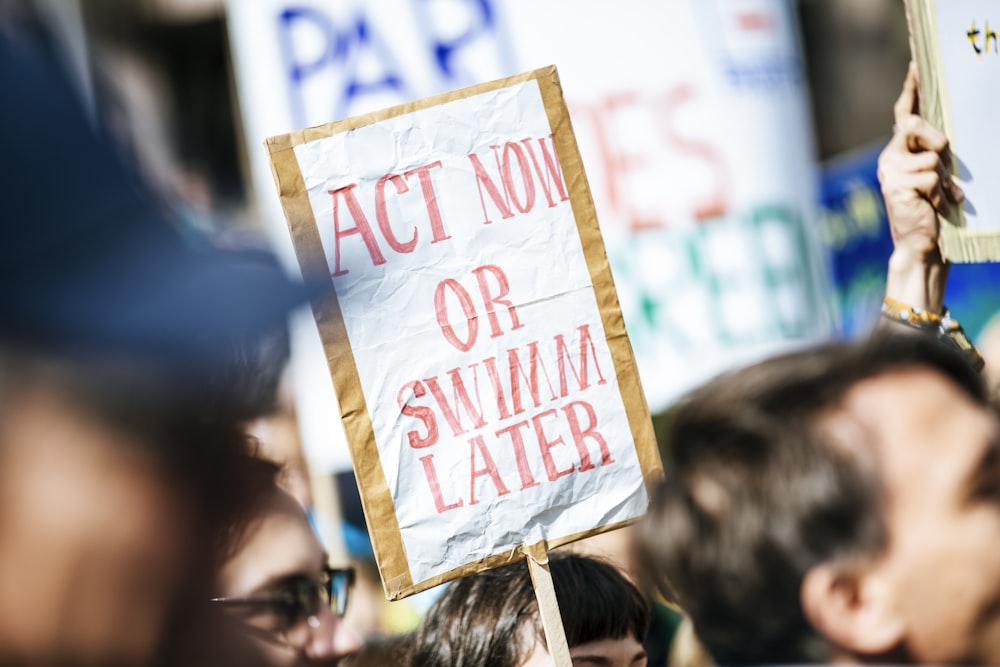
(839, 503)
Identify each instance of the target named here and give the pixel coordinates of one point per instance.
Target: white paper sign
(488, 374)
(970, 55)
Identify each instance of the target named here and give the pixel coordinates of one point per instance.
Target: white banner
(691, 116)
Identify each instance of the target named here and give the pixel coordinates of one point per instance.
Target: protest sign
(472, 330)
(702, 175)
(957, 50)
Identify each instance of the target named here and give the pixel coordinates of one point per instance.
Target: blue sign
(856, 231)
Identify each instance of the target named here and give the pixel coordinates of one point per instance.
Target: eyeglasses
(295, 606)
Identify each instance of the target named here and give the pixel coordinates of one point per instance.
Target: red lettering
(382, 214)
(492, 300)
(421, 412)
(432, 480)
(552, 173)
(490, 468)
(581, 377)
(624, 168)
(430, 199)
(508, 180)
(717, 202)
(546, 445)
(468, 310)
(520, 456)
(589, 431)
(491, 370)
(361, 227)
(461, 396)
(483, 180)
(619, 164)
(517, 374)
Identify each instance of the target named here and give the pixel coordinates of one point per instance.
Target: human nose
(329, 637)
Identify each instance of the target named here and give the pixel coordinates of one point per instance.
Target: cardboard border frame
(376, 498)
(958, 243)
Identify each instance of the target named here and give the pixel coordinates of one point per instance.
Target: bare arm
(914, 171)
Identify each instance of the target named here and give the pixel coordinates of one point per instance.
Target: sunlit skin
(280, 546)
(93, 539)
(624, 652)
(939, 458)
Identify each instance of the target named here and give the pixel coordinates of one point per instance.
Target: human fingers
(951, 188)
(896, 159)
(919, 135)
(928, 184)
(922, 161)
(906, 103)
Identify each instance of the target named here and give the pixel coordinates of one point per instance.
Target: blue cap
(89, 258)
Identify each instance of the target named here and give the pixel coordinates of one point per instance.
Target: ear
(853, 609)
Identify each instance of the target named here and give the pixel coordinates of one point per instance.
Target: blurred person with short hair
(840, 503)
(491, 619)
(274, 579)
(116, 451)
(111, 488)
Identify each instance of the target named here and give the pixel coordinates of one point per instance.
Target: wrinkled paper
(481, 351)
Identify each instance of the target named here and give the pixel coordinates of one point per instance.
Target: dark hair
(491, 619)
(757, 492)
(256, 482)
(385, 651)
(246, 381)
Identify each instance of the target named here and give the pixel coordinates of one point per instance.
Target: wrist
(918, 279)
(945, 328)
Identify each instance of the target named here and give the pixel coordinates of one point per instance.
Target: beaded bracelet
(944, 326)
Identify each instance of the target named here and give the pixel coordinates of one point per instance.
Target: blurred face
(280, 557)
(93, 539)
(624, 652)
(940, 463)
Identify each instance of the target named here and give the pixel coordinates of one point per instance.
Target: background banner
(692, 121)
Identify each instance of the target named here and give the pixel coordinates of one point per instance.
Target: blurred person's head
(93, 261)
(274, 578)
(111, 491)
(116, 456)
(837, 503)
(491, 619)
(988, 342)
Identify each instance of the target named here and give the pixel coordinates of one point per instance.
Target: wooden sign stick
(548, 607)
